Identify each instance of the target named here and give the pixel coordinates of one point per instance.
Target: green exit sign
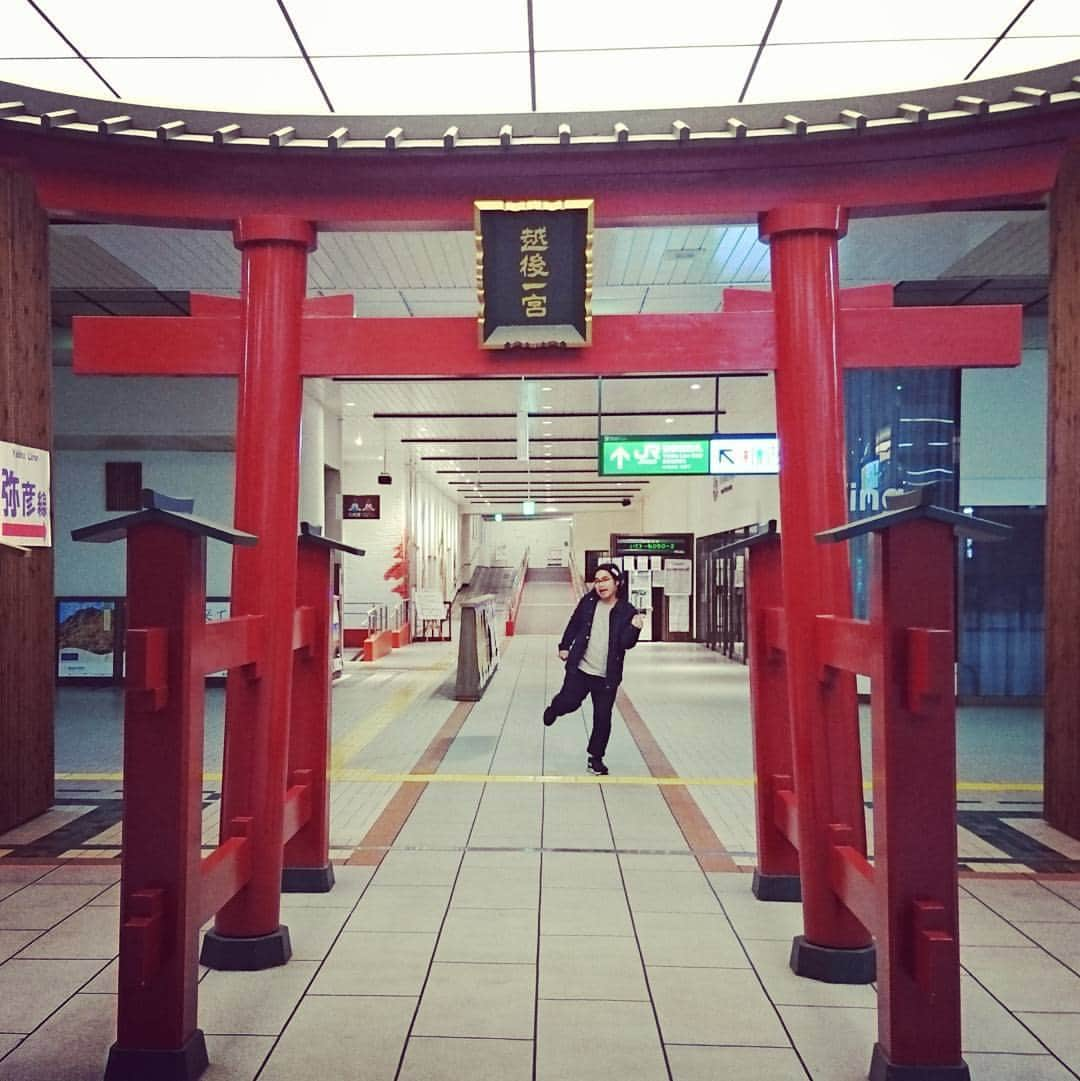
(641, 457)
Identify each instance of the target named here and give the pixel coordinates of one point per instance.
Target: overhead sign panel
(642, 456)
(667, 456)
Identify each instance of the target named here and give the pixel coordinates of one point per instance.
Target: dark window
(123, 483)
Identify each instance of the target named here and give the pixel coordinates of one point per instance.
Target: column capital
(264, 228)
(802, 218)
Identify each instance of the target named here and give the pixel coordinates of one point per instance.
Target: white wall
(416, 518)
(509, 540)
(1003, 429)
(79, 500)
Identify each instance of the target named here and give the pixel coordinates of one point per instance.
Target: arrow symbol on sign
(724, 455)
(620, 456)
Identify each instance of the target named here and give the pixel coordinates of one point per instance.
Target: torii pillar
(813, 487)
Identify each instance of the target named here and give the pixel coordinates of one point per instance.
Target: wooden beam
(27, 661)
(1061, 769)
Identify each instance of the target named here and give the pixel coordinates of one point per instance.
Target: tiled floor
(529, 922)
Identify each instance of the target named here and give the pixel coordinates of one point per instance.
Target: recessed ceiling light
(545, 388)
(359, 440)
(545, 407)
(442, 450)
(547, 446)
(695, 386)
(350, 403)
(669, 420)
(547, 421)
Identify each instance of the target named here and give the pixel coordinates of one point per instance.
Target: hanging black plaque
(534, 273)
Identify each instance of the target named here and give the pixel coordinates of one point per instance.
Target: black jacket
(622, 635)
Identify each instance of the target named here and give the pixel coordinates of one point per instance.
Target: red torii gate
(805, 331)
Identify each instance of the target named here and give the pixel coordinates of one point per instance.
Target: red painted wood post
(307, 855)
(914, 736)
(776, 877)
(157, 1033)
(247, 932)
(824, 716)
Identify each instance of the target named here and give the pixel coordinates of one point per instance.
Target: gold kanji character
(535, 306)
(533, 266)
(534, 239)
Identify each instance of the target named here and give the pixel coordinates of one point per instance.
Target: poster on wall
(337, 655)
(25, 497)
(678, 614)
(677, 575)
(86, 637)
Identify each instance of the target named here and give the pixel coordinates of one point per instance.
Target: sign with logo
(688, 456)
(756, 453)
(359, 507)
(534, 272)
(25, 496)
(642, 456)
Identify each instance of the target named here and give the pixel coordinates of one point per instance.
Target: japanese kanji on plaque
(25, 498)
(534, 273)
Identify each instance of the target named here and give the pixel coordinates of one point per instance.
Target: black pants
(577, 686)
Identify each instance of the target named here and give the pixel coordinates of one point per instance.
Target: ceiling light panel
(856, 20)
(639, 78)
(236, 84)
(207, 28)
(331, 28)
(807, 72)
(63, 76)
(27, 34)
(400, 85)
(1018, 54)
(614, 24)
(1049, 18)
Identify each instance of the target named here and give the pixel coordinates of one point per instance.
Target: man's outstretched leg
(571, 694)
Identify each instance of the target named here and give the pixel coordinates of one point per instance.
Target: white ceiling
(486, 56)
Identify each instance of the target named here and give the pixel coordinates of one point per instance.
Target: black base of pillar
(881, 1069)
(181, 1064)
(777, 887)
(307, 879)
(228, 954)
(831, 964)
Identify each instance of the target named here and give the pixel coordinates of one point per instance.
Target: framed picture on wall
(89, 638)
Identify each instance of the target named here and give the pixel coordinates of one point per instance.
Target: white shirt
(594, 663)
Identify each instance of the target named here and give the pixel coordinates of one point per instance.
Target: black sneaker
(549, 717)
(597, 767)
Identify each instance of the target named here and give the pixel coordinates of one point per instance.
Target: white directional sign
(744, 454)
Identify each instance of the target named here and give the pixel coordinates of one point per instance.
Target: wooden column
(1062, 761)
(27, 635)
